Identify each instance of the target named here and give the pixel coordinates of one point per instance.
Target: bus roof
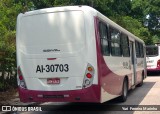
(151, 45)
(85, 9)
(61, 9)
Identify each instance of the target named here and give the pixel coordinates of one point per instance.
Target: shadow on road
(153, 73)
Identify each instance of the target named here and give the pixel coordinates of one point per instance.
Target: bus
(76, 54)
(153, 58)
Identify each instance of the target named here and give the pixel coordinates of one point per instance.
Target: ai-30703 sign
(52, 68)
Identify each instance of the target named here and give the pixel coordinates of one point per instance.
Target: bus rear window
(52, 33)
(58, 28)
(151, 51)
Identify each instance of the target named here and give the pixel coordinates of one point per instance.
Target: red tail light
(21, 77)
(22, 83)
(89, 75)
(158, 63)
(20, 74)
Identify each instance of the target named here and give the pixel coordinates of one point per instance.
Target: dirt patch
(11, 97)
(8, 95)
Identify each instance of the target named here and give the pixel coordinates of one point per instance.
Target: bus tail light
(88, 77)
(22, 83)
(158, 63)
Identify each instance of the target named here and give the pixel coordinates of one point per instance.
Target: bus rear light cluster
(89, 75)
(22, 83)
(158, 63)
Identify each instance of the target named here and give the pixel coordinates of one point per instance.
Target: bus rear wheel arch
(124, 94)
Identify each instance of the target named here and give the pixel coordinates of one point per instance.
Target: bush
(8, 82)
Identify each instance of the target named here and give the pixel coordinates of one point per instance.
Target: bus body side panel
(113, 69)
(140, 70)
(138, 62)
(144, 61)
(110, 80)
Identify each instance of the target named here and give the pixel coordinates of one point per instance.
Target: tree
(8, 13)
(152, 19)
(140, 17)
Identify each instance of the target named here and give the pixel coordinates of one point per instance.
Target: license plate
(53, 81)
(52, 68)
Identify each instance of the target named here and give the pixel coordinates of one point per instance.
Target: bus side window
(115, 42)
(125, 45)
(103, 32)
(141, 50)
(137, 49)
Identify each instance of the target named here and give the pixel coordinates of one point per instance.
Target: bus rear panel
(52, 58)
(153, 58)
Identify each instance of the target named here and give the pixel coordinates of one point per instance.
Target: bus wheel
(124, 95)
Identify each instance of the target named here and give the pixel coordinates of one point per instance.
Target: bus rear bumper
(153, 69)
(90, 94)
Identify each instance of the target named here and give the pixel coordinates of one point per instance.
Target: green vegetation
(141, 17)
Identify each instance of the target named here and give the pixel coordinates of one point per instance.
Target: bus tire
(124, 95)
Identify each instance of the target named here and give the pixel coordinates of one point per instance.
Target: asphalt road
(147, 97)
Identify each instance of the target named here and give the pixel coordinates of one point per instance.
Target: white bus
(76, 54)
(153, 58)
